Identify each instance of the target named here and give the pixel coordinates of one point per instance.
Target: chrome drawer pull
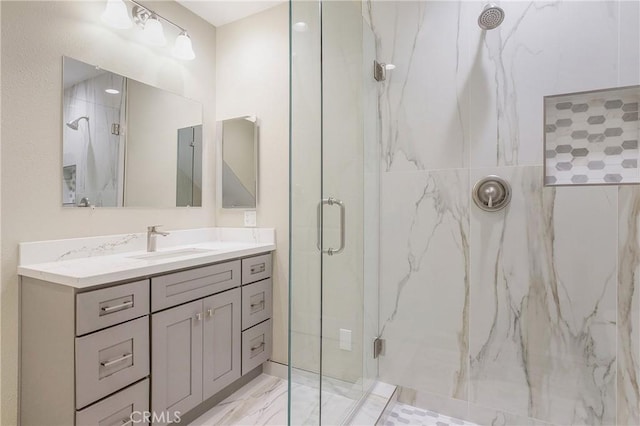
(199, 316)
(256, 269)
(255, 348)
(128, 304)
(255, 305)
(117, 360)
(210, 312)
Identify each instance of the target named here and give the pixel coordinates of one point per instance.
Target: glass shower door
(334, 213)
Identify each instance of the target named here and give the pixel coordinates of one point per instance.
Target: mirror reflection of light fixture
(300, 27)
(112, 91)
(116, 15)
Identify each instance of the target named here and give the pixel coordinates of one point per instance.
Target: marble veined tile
(543, 301)
(490, 416)
(422, 105)
(424, 286)
(460, 96)
(537, 51)
(628, 309)
(263, 401)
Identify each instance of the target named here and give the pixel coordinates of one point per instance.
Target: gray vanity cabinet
(176, 352)
(221, 352)
(195, 351)
(173, 343)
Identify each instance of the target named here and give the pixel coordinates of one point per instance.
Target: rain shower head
(491, 17)
(74, 124)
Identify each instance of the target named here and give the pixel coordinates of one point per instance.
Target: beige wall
(252, 77)
(35, 36)
(151, 179)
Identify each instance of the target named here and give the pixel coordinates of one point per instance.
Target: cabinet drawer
(256, 303)
(256, 346)
(109, 306)
(173, 289)
(256, 268)
(119, 408)
(111, 359)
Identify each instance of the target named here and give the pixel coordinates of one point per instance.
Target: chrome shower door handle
(331, 202)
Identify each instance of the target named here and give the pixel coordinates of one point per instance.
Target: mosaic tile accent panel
(592, 138)
(403, 414)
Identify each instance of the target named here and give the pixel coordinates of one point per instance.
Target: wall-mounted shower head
(490, 17)
(74, 123)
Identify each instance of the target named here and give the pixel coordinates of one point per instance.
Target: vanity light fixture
(116, 15)
(153, 32)
(183, 48)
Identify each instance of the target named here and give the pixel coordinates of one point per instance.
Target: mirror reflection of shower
(491, 17)
(73, 124)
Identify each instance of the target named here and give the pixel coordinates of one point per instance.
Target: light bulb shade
(153, 32)
(183, 48)
(116, 15)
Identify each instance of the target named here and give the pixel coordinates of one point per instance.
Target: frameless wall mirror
(238, 139)
(127, 144)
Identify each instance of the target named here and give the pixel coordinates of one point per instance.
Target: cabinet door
(176, 359)
(222, 336)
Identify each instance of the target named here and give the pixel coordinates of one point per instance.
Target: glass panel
(335, 165)
(371, 211)
(343, 180)
(305, 193)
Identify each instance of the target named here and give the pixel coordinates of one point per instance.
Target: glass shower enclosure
(334, 202)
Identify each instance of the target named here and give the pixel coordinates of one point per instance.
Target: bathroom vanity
(133, 336)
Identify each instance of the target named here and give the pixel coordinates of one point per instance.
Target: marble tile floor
(263, 401)
(403, 414)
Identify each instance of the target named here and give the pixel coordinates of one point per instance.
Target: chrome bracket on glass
(332, 202)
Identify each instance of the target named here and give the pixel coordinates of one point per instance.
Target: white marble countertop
(101, 266)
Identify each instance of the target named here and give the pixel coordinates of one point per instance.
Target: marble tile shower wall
(529, 315)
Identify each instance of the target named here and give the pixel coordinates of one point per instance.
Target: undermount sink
(168, 254)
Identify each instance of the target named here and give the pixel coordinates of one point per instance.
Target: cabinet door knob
(210, 312)
(199, 316)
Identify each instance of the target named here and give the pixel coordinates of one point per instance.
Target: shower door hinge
(379, 71)
(378, 347)
(115, 129)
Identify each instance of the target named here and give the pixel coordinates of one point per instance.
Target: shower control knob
(492, 193)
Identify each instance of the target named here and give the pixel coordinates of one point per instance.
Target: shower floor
(403, 414)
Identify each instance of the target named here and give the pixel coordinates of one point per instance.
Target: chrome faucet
(152, 232)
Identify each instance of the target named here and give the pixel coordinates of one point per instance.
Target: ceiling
(223, 12)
